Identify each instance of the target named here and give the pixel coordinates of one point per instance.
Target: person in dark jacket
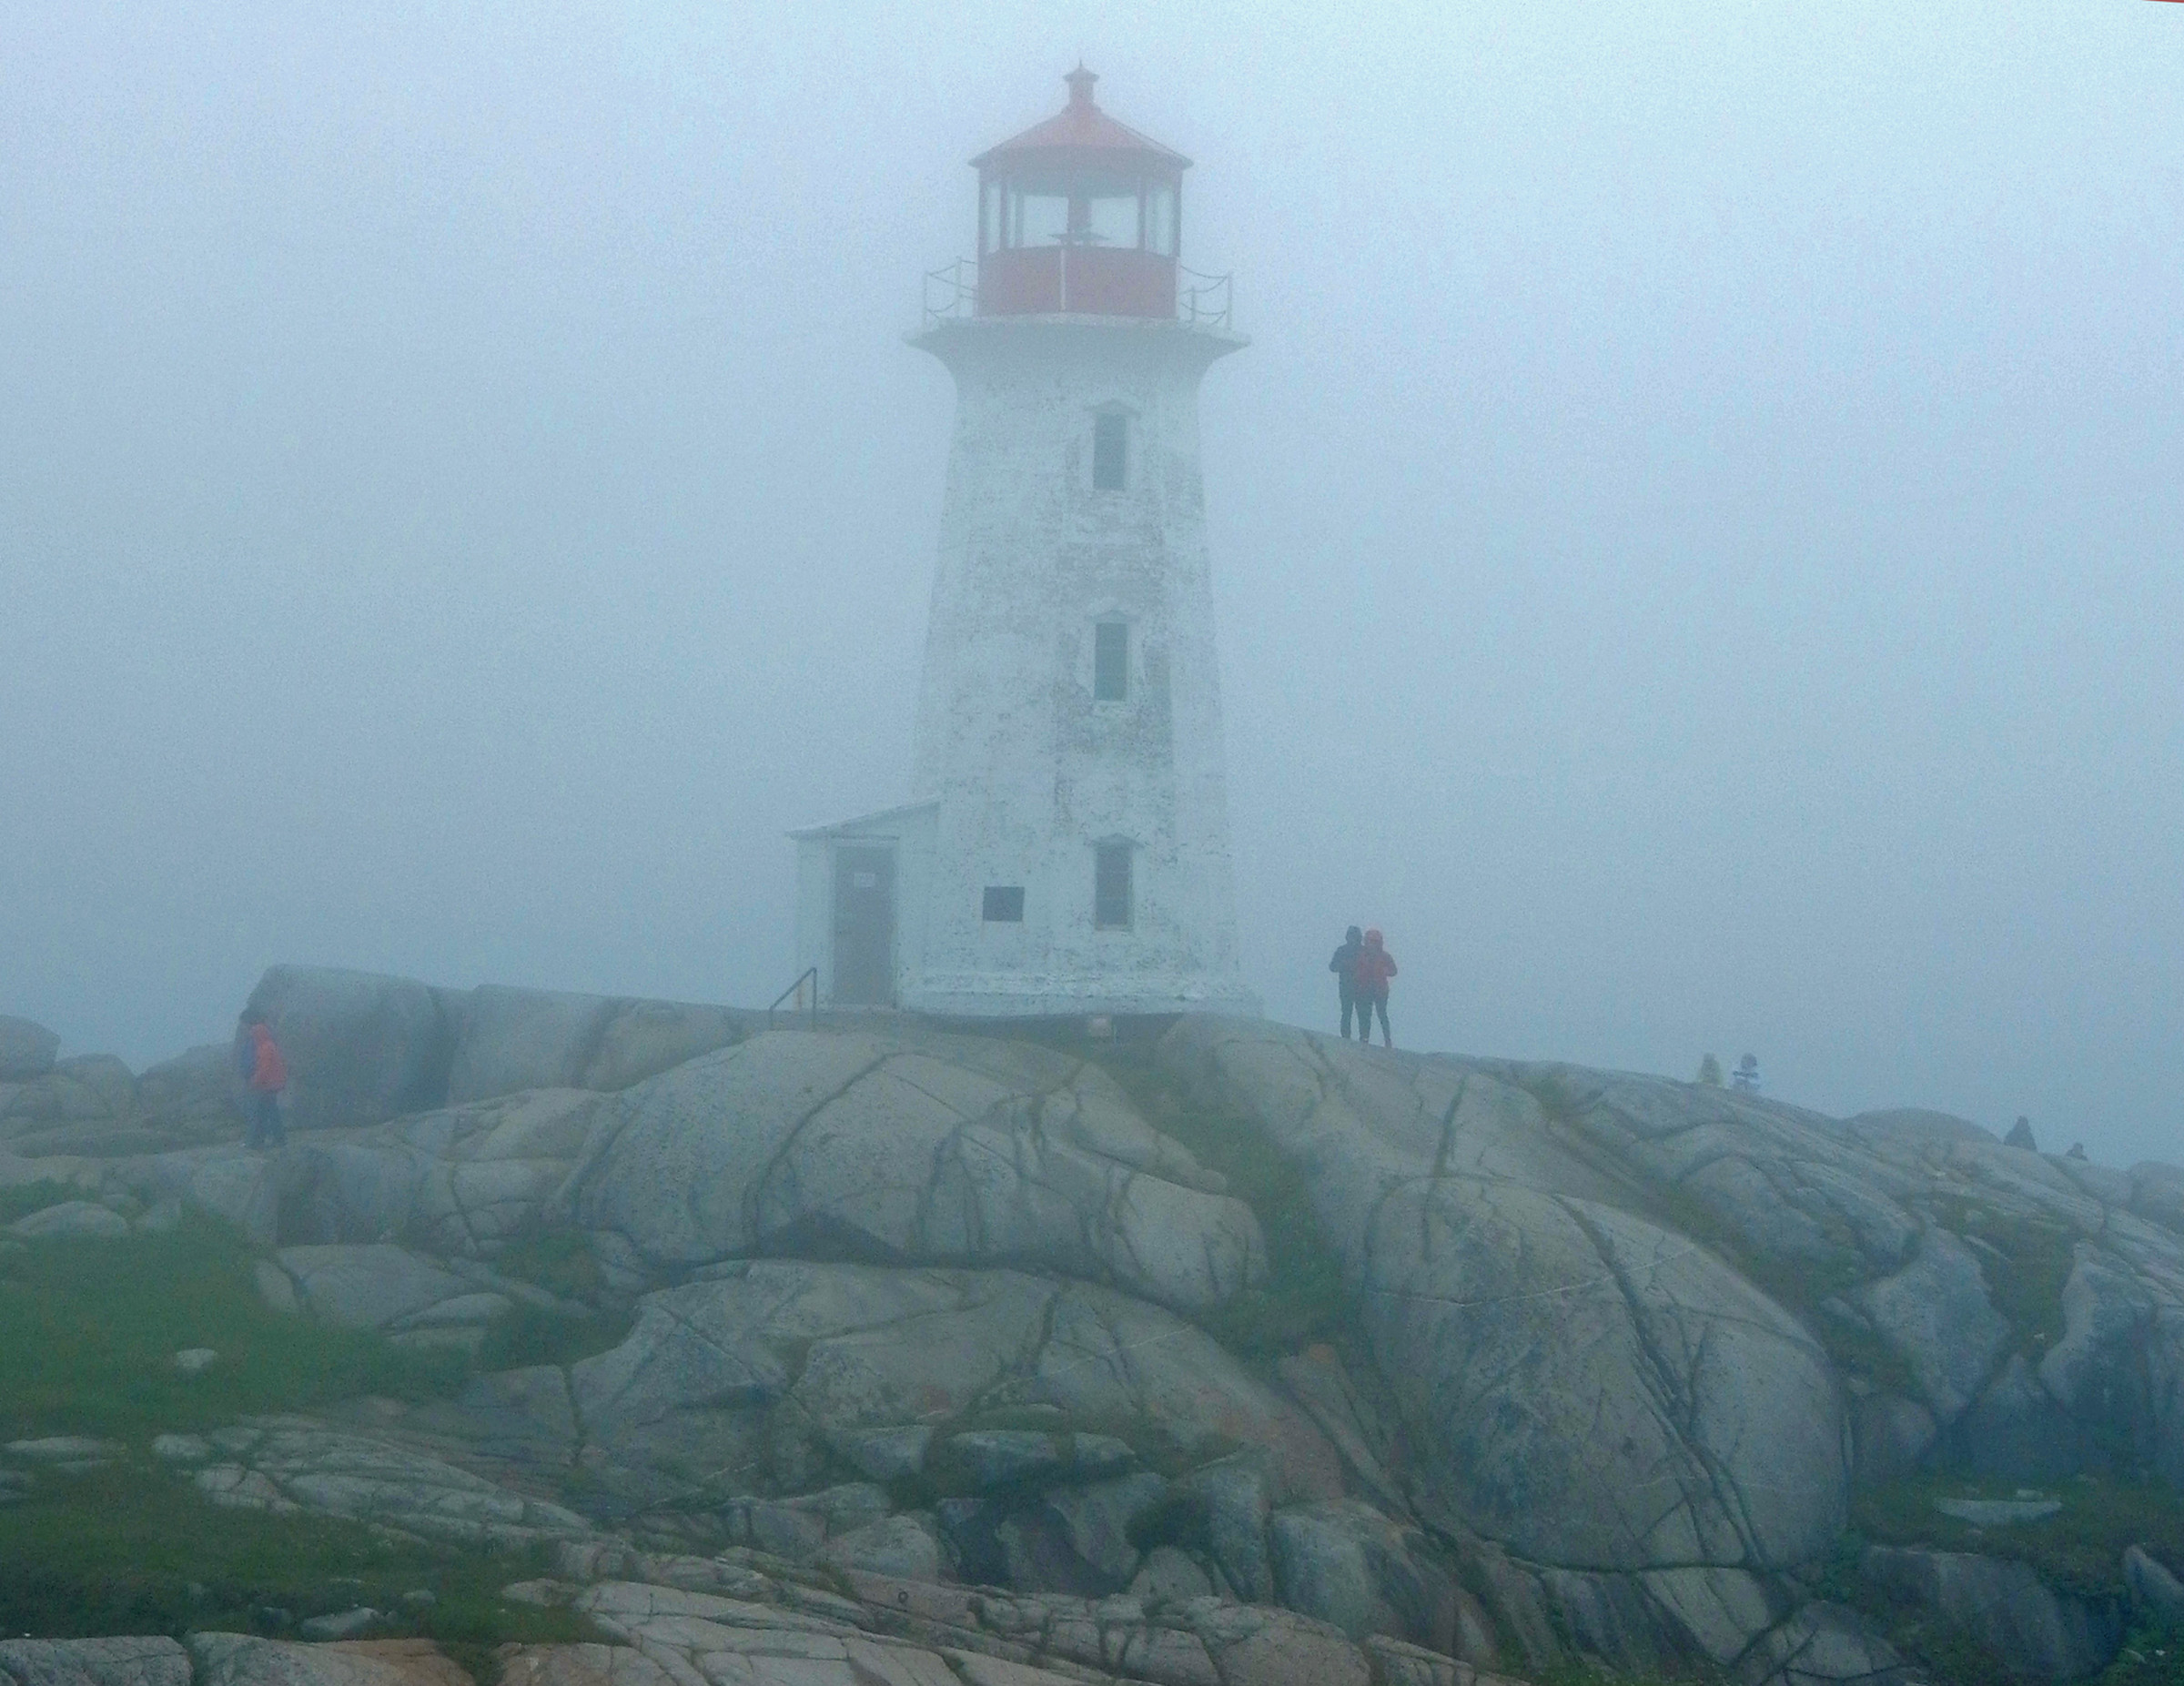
(1344, 966)
(1376, 965)
(265, 1074)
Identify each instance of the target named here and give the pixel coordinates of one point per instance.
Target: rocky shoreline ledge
(882, 1351)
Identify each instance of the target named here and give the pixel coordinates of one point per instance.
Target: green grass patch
(2150, 1657)
(88, 1331)
(2079, 1549)
(529, 1335)
(134, 1548)
(558, 1259)
(2027, 1288)
(1304, 1300)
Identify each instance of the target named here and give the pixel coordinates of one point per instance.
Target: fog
(1696, 533)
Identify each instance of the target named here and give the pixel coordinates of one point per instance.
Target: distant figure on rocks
(1344, 966)
(1710, 1071)
(1376, 965)
(1746, 1078)
(265, 1075)
(2020, 1136)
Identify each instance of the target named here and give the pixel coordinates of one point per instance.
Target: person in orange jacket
(265, 1075)
(1376, 965)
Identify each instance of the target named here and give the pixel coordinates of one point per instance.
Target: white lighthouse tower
(1069, 851)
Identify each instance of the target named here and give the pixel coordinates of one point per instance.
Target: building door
(864, 927)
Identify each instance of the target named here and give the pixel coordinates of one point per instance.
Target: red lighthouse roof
(1082, 129)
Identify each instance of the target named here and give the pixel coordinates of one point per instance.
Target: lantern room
(1079, 215)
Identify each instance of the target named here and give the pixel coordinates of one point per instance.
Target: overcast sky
(1696, 533)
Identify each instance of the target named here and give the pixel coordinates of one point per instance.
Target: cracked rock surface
(287, 1464)
(925, 1150)
(947, 1151)
(1559, 1278)
(1580, 1385)
(899, 1364)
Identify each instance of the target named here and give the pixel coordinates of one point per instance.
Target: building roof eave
(901, 809)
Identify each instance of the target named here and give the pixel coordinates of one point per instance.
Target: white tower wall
(1029, 772)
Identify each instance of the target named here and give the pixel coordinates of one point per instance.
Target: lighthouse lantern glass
(1110, 216)
(1118, 213)
(1038, 214)
(1160, 218)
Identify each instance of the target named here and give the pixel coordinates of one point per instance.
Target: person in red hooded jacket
(1376, 965)
(265, 1073)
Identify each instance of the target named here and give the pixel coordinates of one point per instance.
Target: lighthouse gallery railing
(951, 294)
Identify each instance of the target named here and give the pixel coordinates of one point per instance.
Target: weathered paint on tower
(1069, 851)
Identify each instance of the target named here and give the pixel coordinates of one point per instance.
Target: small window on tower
(1004, 904)
(1111, 887)
(1111, 661)
(1111, 452)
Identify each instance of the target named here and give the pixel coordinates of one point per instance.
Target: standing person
(1376, 965)
(1344, 966)
(265, 1075)
(1746, 1077)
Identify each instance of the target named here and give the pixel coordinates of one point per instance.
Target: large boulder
(89, 1089)
(1914, 1125)
(26, 1050)
(1936, 1315)
(366, 1287)
(881, 1639)
(937, 1151)
(71, 1220)
(1351, 1566)
(193, 1098)
(151, 1662)
(525, 1039)
(2031, 1305)
(231, 1183)
(463, 1180)
(1576, 1381)
(2157, 1596)
(385, 1288)
(516, 1039)
(2039, 1634)
(772, 1373)
(2157, 1194)
(246, 1660)
(361, 1047)
(287, 1465)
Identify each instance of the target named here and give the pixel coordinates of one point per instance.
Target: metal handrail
(1205, 301)
(948, 295)
(811, 975)
(951, 293)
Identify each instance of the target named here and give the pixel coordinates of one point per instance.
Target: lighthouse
(1067, 852)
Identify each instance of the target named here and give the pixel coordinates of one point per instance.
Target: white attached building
(1069, 853)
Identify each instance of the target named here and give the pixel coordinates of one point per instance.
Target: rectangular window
(1111, 661)
(1111, 220)
(1111, 452)
(1111, 887)
(1004, 904)
(1037, 218)
(1160, 220)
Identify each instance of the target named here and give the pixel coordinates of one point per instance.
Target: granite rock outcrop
(939, 1318)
